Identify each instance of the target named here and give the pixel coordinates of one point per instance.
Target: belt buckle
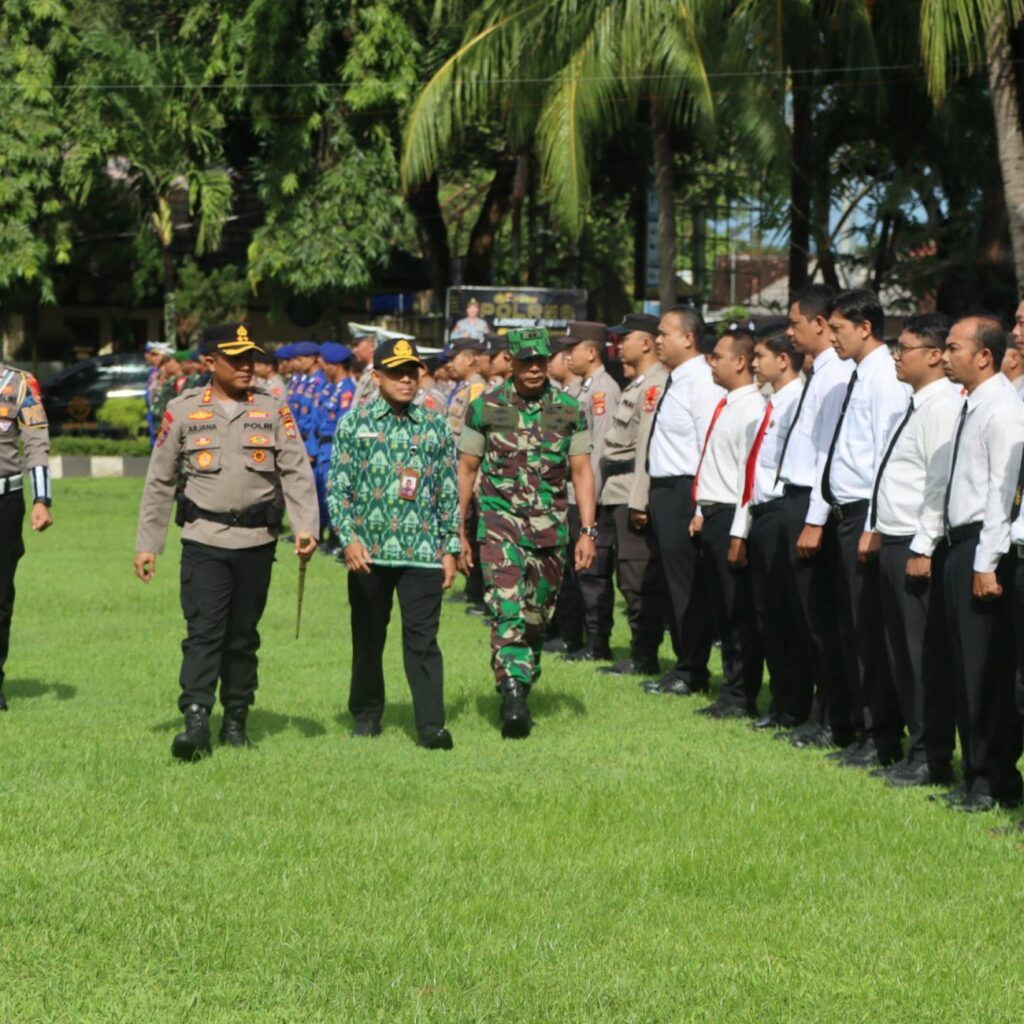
(837, 511)
(235, 518)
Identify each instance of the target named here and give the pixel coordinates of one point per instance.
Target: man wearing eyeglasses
(906, 506)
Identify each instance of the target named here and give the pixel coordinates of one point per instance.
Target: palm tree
(562, 76)
(961, 34)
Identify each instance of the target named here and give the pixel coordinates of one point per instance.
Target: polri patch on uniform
(201, 414)
(651, 398)
(165, 429)
(203, 441)
(33, 386)
(287, 421)
(257, 414)
(259, 456)
(599, 405)
(258, 439)
(204, 460)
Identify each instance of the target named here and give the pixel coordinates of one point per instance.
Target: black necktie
(885, 460)
(826, 485)
(952, 468)
(654, 423)
(1019, 493)
(792, 426)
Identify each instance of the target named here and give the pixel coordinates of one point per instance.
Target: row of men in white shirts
(857, 531)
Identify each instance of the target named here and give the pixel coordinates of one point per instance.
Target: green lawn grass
(629, 862)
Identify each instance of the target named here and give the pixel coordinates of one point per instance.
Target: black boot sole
(515, 728)
(183, 750)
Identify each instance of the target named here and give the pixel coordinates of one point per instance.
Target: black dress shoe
(194, 743)
(776, 720)
(632, 667)
(232, 729)
(952, 797)
(809, 736)
(3, 703)
(673, 684)
(366, 728)
(595, 650)
(918, 773)
(868, 755)
(439, 739)
(720, 710)
(476, 609)
(979, 803)
(558, 645)
(515, 714)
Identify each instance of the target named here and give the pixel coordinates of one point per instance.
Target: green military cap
(528, 343)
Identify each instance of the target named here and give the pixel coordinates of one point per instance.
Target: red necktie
(748, 482)
(703, 451)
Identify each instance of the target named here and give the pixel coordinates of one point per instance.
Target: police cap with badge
(227, 340)
(396, 352)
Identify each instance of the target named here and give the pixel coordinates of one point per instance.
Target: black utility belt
(610, 468)
(670, 481)
(969, 531)
(714, 508)
(266, 513)
(764, 507)
(799, 490)
(849, 510)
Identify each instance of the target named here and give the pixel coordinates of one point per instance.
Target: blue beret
(283, 352)
(305, 348)
(334, 352)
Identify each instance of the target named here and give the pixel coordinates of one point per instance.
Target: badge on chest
(408, 484)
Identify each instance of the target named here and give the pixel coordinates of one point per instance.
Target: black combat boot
(596, 649)
(3, 702)
(194, 743)
(232, 729)
(515, 715)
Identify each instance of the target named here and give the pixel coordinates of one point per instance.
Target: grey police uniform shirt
(627, 437)
(366, 388)
(599, 398)
(23, 418)
(228, 461)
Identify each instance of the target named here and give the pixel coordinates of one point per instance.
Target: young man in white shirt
(717, 490)
(910, 486)
(677, 436)
(873, 404)
(811, 533)
(760, 536)
(977, 586)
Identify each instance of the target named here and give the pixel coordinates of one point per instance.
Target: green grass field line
(630, 862)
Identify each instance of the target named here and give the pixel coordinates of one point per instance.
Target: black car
(72, 396)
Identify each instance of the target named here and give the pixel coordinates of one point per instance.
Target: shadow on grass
(18, 688)
(261, 723)
(398, 714)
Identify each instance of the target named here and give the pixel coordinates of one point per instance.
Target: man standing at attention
(393, 501)
(525, 440)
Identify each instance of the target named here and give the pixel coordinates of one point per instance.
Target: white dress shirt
(724, 466)
(766, 487)
(683, 420)
(985, 469)
(912, 487)
(877, 403)
(812, 432)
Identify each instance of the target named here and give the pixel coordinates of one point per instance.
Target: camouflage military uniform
(525, 445)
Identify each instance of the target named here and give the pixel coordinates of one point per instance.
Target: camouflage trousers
(520, 590)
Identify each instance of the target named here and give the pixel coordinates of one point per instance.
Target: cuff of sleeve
(452, 545)
(345, 536)
(985, 561)
(817, 515)
(923, 545)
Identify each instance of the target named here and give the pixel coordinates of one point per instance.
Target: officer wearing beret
(363, 345)
(22, 419)
(234, 453)
(394, 503)
(306, 393)
(525, 440)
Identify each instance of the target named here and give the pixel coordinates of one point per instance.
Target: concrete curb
(64, 466)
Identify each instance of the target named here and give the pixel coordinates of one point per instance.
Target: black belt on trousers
(797, 489)
(893, 538)
(267, 513)
(766, 506)
(609, 468)
(970, 531)
(851, 508)
(670, 481)
(714, 508)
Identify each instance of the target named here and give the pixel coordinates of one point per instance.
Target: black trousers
(870, 700)
(419, 599)
(917, 645)
(1018, 623)
(567, 622)
(780, 620)
(223, 594)
(12, 516)
(475, 580)
(641, 583)
(597, 584)
(984, 660)
(689, 612)
(732, 603)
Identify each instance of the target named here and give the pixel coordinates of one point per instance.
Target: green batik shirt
(373, 447)
(524, 445)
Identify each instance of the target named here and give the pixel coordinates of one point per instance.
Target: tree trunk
(433, 236)
(481, 241)
(800, 183)
(520, 188)
(1009, 134)
(664, 185)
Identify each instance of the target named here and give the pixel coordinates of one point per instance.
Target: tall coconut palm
(960, 35)
(561, 76)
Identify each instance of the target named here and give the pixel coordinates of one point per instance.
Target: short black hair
(991, 334)
(691, 319)
(707, 342)
(742, 343)
(858, 305)
(930, 327)
(815, 300)
(778, 341)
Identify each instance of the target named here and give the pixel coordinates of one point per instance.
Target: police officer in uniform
(599, 399)
(625, 492)
(525, 440)
(363, 346)
(22, 418)
(238, 453)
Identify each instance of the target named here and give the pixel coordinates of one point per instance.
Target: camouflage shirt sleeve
(472, 440)
(580, 443)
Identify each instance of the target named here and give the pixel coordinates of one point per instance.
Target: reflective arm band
(41, 484)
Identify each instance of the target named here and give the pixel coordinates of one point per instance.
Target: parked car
(72, 396)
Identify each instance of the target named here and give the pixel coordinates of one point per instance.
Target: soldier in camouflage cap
(526, 440)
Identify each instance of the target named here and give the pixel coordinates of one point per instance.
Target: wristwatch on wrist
(589, 531)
